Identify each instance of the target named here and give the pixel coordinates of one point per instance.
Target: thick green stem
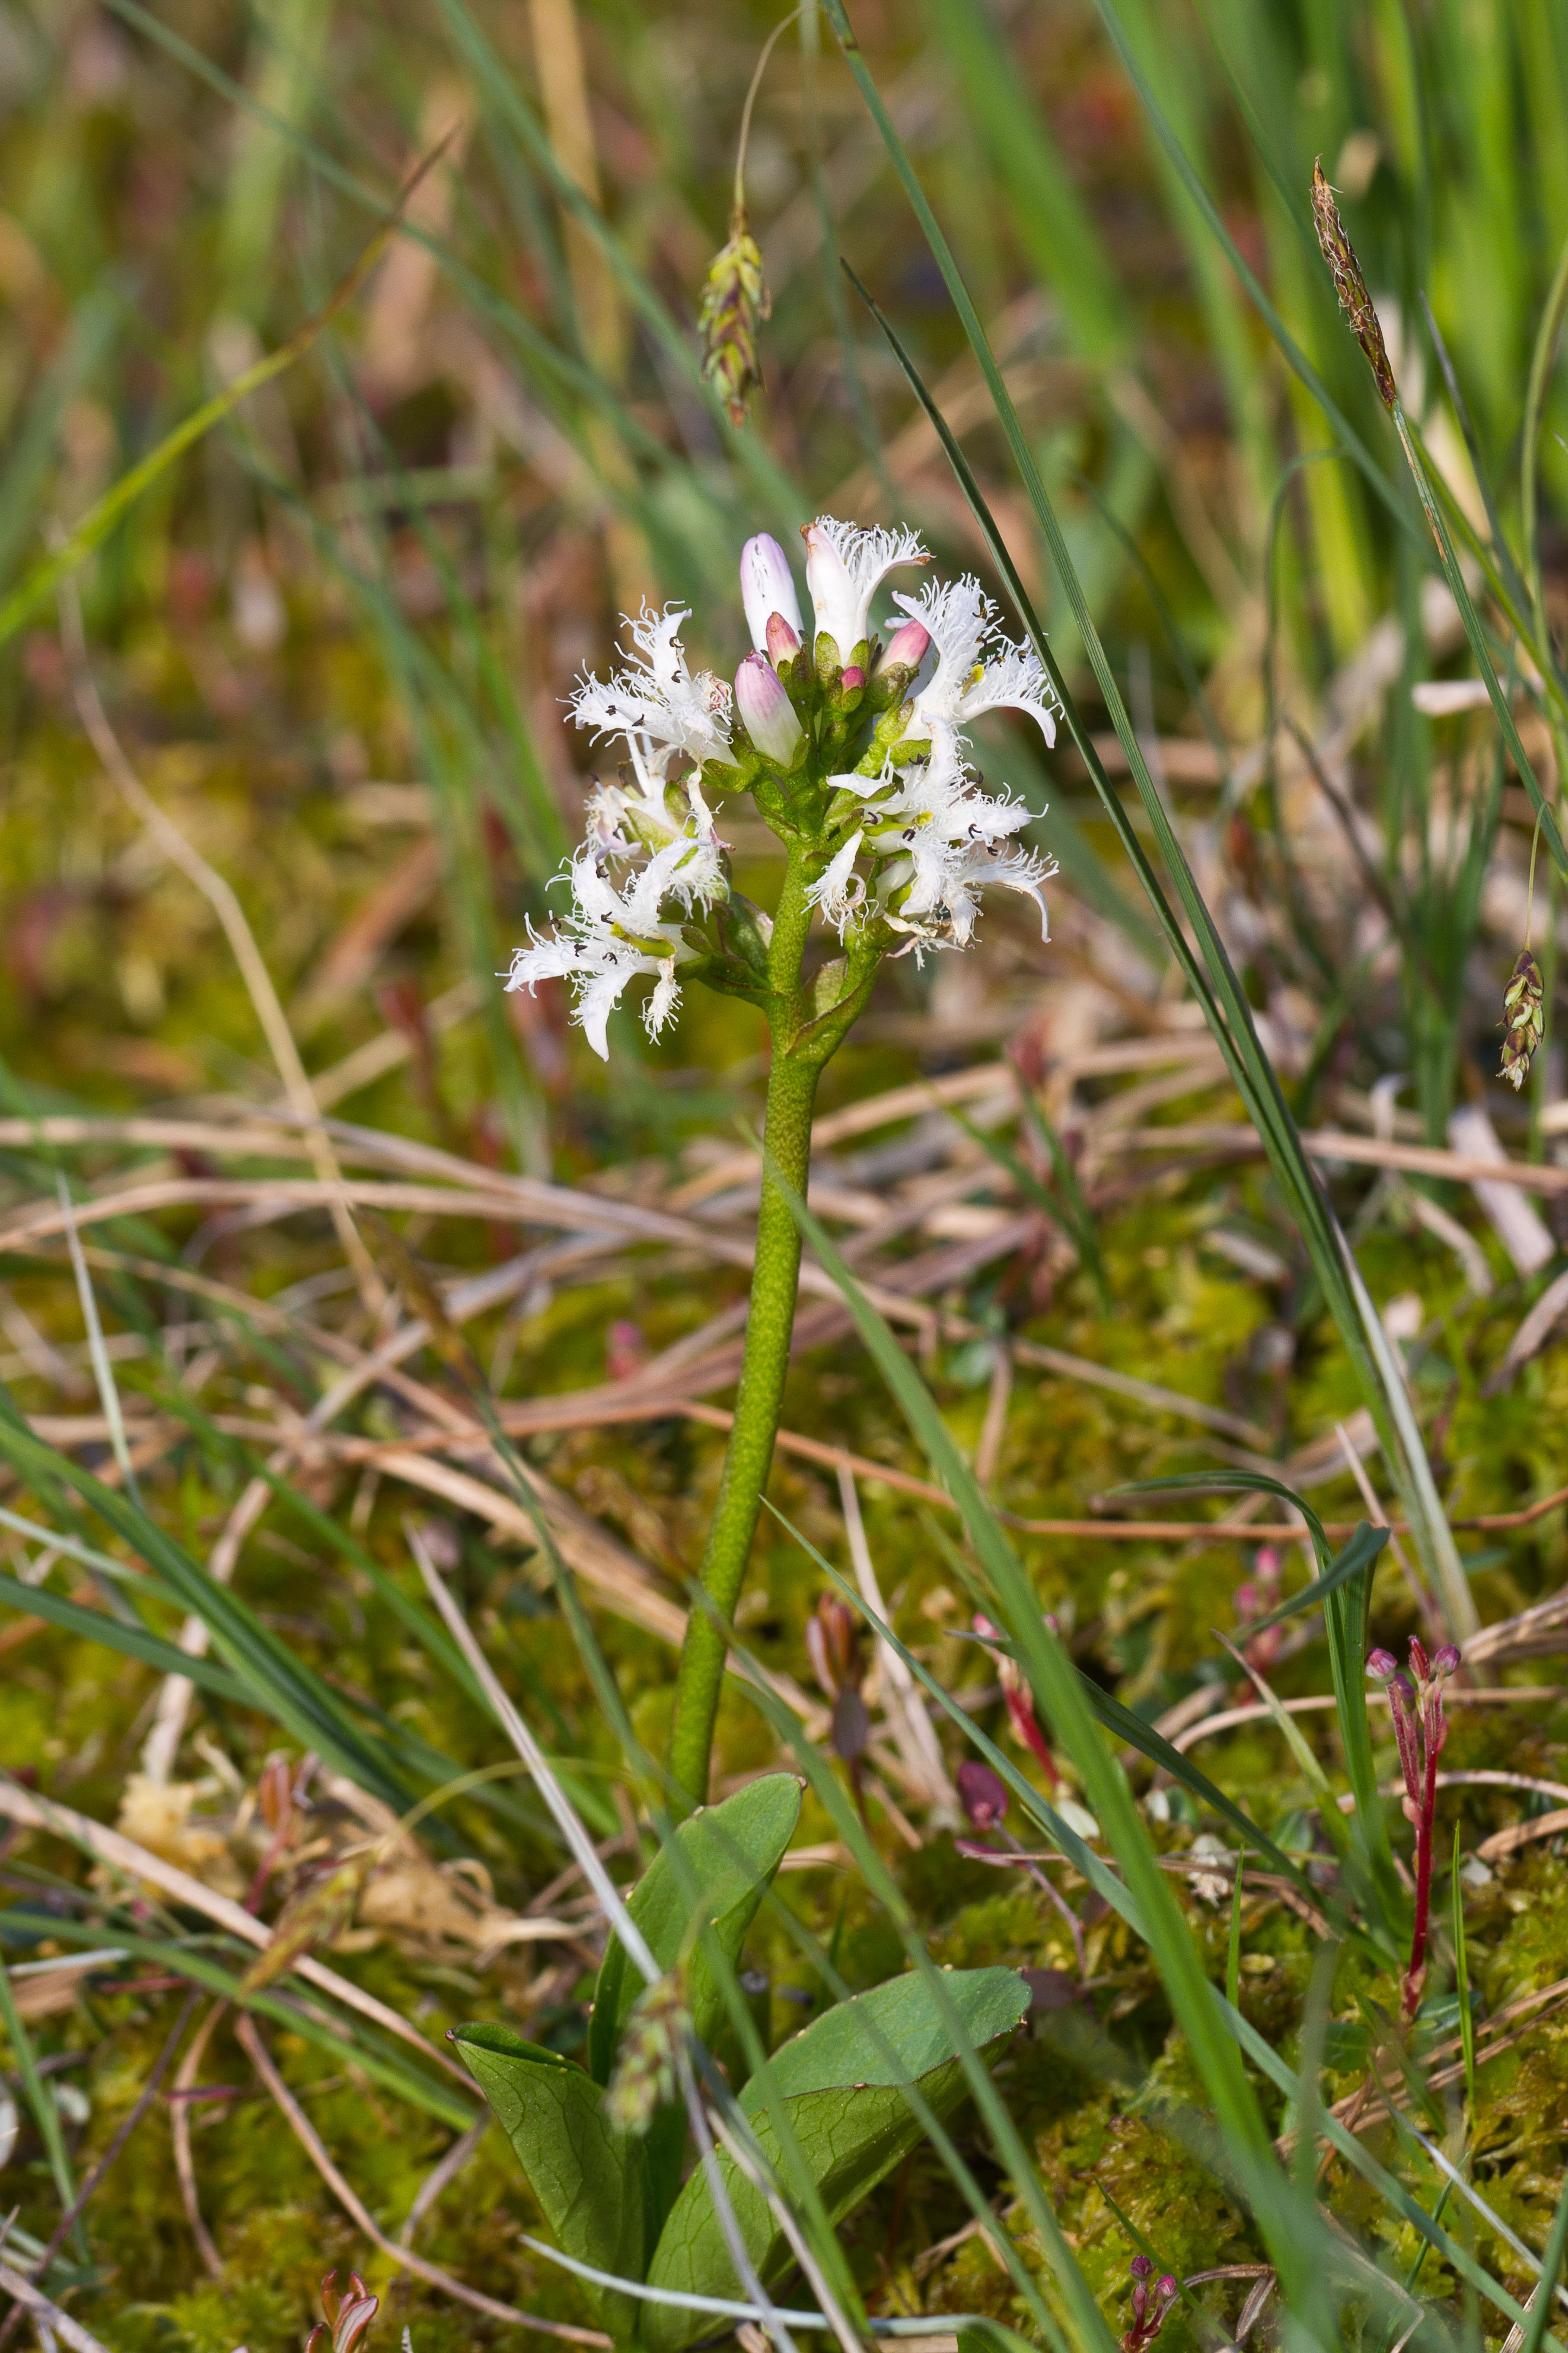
(770, 1322)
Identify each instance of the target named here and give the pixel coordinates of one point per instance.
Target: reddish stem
(1415, 1976)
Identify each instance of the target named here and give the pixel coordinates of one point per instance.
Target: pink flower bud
(783, 642)
(1446, 1661)
(1140, 2267)
(766, 710)
(1165, 2285)
(982, 1793)
(1381, 1665)
(1420, 1665)
(851, 678)
(767, 586)
(906, 647)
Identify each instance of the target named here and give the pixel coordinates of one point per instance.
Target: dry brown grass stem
(1324, 1701)
(47, 2315)
(221, 898)
(442, 2175)
(180, 2133)
(248, 2035)
(138, 1863)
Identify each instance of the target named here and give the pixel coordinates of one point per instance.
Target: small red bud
(982, 1793)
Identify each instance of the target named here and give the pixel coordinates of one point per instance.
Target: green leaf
(588, 2177)
(1347, 1591)
(1218, 1483)
(713, 1870)
(841, 2084)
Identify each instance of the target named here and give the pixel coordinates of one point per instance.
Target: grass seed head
(1524, 1016)
(735, 301)
(1350, 285)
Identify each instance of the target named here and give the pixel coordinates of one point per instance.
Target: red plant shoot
(1150, 2305)
(1020, 1702)
(348, 2315)
(1420, 1728)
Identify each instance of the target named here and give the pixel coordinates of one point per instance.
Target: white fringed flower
(939, 835)
(663, 714)
(845, 566)
(965, 684)
(610, 937)
(838, 893)
(905, 854)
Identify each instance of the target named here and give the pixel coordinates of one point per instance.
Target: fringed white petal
(976, 672)
(845, 566)
(838, 892)
(663, 1002)
(663, 714)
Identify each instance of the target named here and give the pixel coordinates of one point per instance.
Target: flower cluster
(854, 750)
(1150, 2306)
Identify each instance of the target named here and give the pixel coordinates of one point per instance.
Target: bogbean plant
(850, 743)
(604, 2145)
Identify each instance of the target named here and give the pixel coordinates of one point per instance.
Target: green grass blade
(1233, 1950)
(1287, 2229)
(1052, 222)
(1462, 1979)
(1256, 1483)
(354, 2046)
(86, 344)
(40, 2101)
(1551, 2272)
(1345, 1614)
(1068, 1209)
(103, 514)
(132, 1641)
(1550, 833)
(1214, 981)
(275, 1680)
(1080, 1218)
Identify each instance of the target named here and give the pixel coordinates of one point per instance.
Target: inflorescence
(854, 751)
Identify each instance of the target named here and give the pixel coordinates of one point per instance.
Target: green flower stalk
(853, 752)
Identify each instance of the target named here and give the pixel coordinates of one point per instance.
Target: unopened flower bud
(906, 647)
(1381, 1665)
(852, 678)
(1140, 2267)
(1165, 2285)
(1420, 1665)
(833, 1646)
(767, 588)
(1524, 1014)
(766, 710)
(1446, 1661)
(783, 642)
(982, 1793)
